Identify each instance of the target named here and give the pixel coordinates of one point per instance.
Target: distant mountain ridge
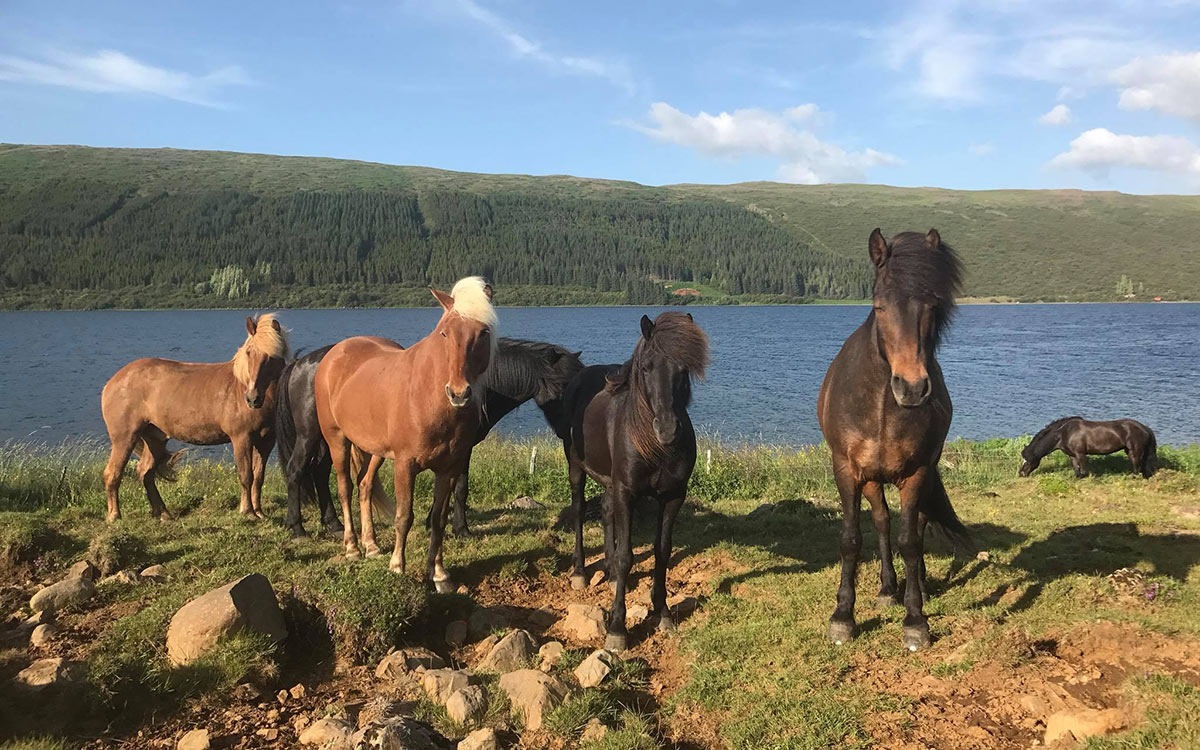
(95, 227)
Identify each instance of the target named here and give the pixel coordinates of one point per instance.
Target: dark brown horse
(630, 431)
(1079, 438)
(885, 411)
(418, 406)
(150, 401)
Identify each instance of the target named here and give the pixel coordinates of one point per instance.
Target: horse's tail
(935, 504)
(166, 466)
(285, 421)
(383, 505)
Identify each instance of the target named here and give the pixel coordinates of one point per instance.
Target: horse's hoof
(260, 515)
(372, 551)
(916, 637)
(396, 567)
(841, 631)
(464, 532)
(297, 532)
(352, 553)
(165, 517)
(579, 583)
(113, 517)
(666, 624)
(444, 586)
(616, 642)
(884, 601)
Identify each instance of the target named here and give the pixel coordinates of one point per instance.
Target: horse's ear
(690, 317)
(487, 289)
(878, 248)
(275, 325)
(577, 354)
(647, 327)
(251, 325)
(933, 239)
(445, 300)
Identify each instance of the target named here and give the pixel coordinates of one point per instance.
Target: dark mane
(1056, 424)
(677, 340)
(913, 269)
(531, 369)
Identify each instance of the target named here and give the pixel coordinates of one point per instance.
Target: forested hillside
(83, 227)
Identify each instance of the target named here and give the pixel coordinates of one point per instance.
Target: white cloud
(803, 156)
(109, 71)
(524, 47)
(1059, 114)
(1098, 149)
(982, 149)
(1167, 83)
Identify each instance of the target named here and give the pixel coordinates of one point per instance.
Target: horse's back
(185, 400)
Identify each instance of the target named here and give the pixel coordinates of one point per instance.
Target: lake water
(1010, 369)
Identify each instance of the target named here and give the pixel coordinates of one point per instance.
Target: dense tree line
(73, 235)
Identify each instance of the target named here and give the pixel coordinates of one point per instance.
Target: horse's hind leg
(443, 486)
(882, 519)
(318, 475)
(153, 456)
(841, 624)
(916, 625)
(366, 483)
(662, 560)
(122, 447)
(243, 457)
(339, 451)
(460, 500)
(579, 500)
(261, 452)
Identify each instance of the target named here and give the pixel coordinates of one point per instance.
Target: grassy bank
(750, 667)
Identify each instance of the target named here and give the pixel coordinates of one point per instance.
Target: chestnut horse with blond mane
(419, 406)
(151, 401)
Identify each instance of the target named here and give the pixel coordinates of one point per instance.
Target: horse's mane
(676, 339)
(917, 270)
(1056, 424)
(524, 369)
(266, 339)
(472, 300)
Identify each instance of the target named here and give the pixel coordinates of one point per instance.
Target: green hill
(85, 227)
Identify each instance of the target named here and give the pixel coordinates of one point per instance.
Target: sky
(1095, 94)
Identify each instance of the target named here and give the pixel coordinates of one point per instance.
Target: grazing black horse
(522, 370)
(885, 411)
(630, 431)
(1079, 438)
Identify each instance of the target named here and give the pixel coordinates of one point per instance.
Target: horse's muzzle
(254, 402)
(665, 430)
(458, 400)
(911, 394)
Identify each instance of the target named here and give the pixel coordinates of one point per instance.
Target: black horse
(630, 431)
(1079, 438)
(522, 370)
(885, 411)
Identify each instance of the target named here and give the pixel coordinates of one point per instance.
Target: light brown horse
(150, 401)
(418, 406)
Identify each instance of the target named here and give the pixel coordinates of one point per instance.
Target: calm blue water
(1010, 369)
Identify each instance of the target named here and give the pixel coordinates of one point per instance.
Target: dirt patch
(1004, 701)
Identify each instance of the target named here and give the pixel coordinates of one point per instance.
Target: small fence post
(708, 460)
(532, 459)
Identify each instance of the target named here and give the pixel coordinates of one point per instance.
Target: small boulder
(584, 622)
(484, 620)
(484, 647)
(533, 693)
(467, 705)
(83, 569)
(197, 739)
(399, 733)
(49, 673)
(297, 692)
(592, 670)
(65, 593)
(683, 605)
(247, 604)
(43, 634)
(480, 739)
(328, 734)
(1083, 723)
(154, 574)
(270, 734)
(550, 653)
(403, 662)
(636, 613)
(456, 633)
(593, 731)
(440, 684)
(511, 653)
(127, 577)
(598, 578)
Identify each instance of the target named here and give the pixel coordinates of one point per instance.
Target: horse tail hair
(381, 504)
(285, 421)
(166, 465)
(935, 504)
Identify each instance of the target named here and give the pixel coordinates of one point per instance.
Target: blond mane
(271, 342)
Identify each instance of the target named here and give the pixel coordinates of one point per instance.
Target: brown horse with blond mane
(419, 406)
(151, 401)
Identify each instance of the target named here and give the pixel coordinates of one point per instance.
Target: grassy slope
(757, 545)
(1044, 244)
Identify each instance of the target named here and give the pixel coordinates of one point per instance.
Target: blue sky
(1103, 94)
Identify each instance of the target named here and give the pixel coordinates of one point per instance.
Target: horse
(150, 401)
(1079, 438)
(418, 406)
(884, 411)
(630, 431)
(523, 370)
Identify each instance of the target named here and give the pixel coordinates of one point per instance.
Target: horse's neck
(1047, 443)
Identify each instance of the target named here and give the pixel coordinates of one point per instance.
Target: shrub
(111, 551)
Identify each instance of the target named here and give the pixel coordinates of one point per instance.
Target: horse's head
(671, 352)
(467, 330)
(260, 360)
(559, 366)
(916, 278)
(1029, 461)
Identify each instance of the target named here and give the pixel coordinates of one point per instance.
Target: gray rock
(456, 633)
(485, 620)
(636, 613)
(467, 705)
(127, 577)
(65, 593)
(328, 734)
(399, 733)
(440, 684)
(484, 647)
(405, 661)
(480, 739)
(43, 634)
(550, 654)
(513, 652)
(584, 622)
(592, 670)
(534, 694)
(525, 502)
(154, 574)
(245, 605)
(197, 739)
(83, 569)
(593, 731)
(49, 673)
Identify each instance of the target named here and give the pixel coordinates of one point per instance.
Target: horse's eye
(484, 332)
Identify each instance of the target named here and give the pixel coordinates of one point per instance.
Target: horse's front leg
(366, 486)
(1079, 462)
(841, 623)
(261, 452)
(443, 485)
(243, 456)
(579, 502)
(916, 625)
(460, 500)
(882, 519)
(662, 560)
(405, 474)
(618, 520)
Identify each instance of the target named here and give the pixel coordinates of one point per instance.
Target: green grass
(761, 528)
